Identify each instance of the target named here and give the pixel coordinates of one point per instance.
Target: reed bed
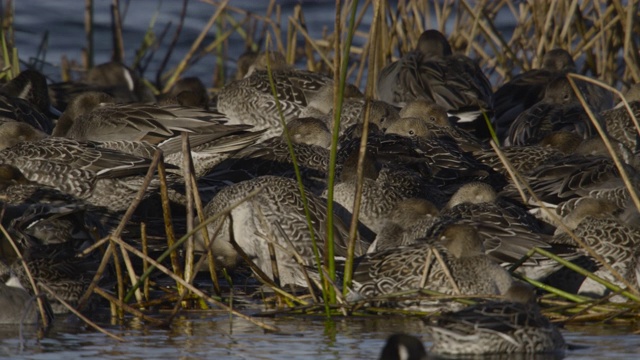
(598, 34)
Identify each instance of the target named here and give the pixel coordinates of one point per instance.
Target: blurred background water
(214, 336)
(62, 22)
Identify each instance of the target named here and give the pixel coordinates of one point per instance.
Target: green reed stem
(296, 168)
(353, 237)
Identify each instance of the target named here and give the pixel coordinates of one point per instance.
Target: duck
(101, 176)
(559, 109)
(112, 77)
(187, 92)
(437, 123)
(512, 326)
(310, 139)
(449, 164)
(403, 347)
(595, 223)
(25, 99)
(382, 188)
(431, 71)
(17, 306)
(67, 277)
(524, 159)
(275, 214)
(404, 268)
(250, 100)
(409, 220)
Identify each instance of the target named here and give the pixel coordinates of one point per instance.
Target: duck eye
(432, 118)
(411, 132)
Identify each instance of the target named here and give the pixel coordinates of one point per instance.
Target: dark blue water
(63, 22)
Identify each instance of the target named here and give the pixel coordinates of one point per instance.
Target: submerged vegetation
(599, 34)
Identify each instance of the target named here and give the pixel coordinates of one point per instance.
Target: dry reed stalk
(172, 44)
(205, 235)
(131, 272)
(88, 29)
(427, 266)
(116, 32)
(168, 223)
(145, 264)
(135, 312)
(188, 174)
(106, 257)
(196, 291)
(196, 43)
(117, 311)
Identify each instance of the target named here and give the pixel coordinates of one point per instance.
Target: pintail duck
(524, 159)
(310, 139)
(250, 100)
(113, 78)
(405, 268)
(595, 223)
(620, 125)
(434, 73)
(403, 347)
(102, 176)
(17, 306)
(528, 88)
(438, 125)
(187, 92)
(448, 162)
(93, 116)
(411, 219)
(25, 99)
(68, 278)
(383, 187)
(275, 214)
(559, 110)
(498, 327)
(508, 231)
(353, 111)
(582, 173)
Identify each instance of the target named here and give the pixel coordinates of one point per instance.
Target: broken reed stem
(427, 266)
(88, 29)
(171, 249)
(78, 314)
(194, 290)
(168, 223)
(36, 291)
(135, 312)
(106, 257)
(131, 272)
